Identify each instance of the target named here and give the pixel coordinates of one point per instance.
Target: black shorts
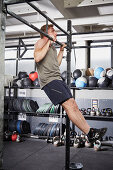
(57, 91)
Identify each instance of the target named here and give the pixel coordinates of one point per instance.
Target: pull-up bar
(38, 10)
(32, 26)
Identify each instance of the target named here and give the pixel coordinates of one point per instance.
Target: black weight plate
(58, 130)
(33, 106)
(12, 125)
(25, 127)
(44, 128)
(48, 132)
(36, 131)
(40, 129)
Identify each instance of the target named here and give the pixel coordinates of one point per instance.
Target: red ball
(14, 137)
(33, 75)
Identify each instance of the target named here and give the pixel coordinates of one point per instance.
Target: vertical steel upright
(69, 44)
(2, 66)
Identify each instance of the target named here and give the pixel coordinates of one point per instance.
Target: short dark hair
(43, 28)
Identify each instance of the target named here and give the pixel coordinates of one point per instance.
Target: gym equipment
(77, 73)
(93, 112)
(99, 72)
(98, 113)
(97, 145)
(33, 75)
(110, 74)
(89, 72)
(83, 111)
(92, 81)
(88, 144)
(103, 82)
(36, 83)
(106, 112)
(64, 75)
(22, 127)
(14, 137)
(75, 166)
(26, 82)
(22, 74)
(81, 82)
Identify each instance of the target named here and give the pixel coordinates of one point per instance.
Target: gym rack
(68, 47)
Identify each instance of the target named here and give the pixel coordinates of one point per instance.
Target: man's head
(51, 31)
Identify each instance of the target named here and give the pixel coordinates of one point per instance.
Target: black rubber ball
(92, 81)
(103, 82)
(77, 73)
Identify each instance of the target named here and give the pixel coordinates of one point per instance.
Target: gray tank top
(48, 67)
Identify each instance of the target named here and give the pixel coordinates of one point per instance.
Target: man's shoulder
(39, 43)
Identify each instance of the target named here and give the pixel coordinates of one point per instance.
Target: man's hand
(62, 47)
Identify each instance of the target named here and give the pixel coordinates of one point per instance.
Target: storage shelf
(99, 118)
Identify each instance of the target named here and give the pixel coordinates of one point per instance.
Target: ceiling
(86, 15)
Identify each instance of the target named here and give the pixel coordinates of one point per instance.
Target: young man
(48, 63)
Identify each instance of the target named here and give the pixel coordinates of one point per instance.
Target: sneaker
(96, 134)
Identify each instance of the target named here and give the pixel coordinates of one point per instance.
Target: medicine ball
(89, 72)
(99, 72)
(77, 73)
(81, 82)
(36, 82)
(110, 74)
(26, 82)
(33, 75)
(92, 81)
(64, 75)
(22, 74)
(103, 82)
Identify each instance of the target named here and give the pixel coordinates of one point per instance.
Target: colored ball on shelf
(33, 75)
(92, 81)
(77, 73)
(89, 72)
(81, 82)
(110, 74)
(36, 82)
(99, 72)
(103, 82)
(72, 82)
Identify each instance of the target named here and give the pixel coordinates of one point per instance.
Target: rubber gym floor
(33, 154)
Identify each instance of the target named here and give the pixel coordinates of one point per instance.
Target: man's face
(52, 32)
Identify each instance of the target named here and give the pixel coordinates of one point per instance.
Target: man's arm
(60, 55)
(41, 48)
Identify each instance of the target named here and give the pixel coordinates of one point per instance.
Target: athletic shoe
(96, 134)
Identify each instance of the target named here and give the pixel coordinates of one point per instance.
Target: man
(48, 63)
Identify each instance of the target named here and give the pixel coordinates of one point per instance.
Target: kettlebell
(97, 145)
(98, 113)
(93, 113)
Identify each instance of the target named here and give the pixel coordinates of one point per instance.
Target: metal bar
(38, 10)
(93, 32)
(93, 46)
(88, 54)
(69, 43)
(112, 54)
(11, 2)
(32, 26)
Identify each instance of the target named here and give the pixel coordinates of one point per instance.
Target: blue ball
(99, 72)
(81, 82)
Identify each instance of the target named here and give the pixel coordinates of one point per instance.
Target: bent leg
(75, 115)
